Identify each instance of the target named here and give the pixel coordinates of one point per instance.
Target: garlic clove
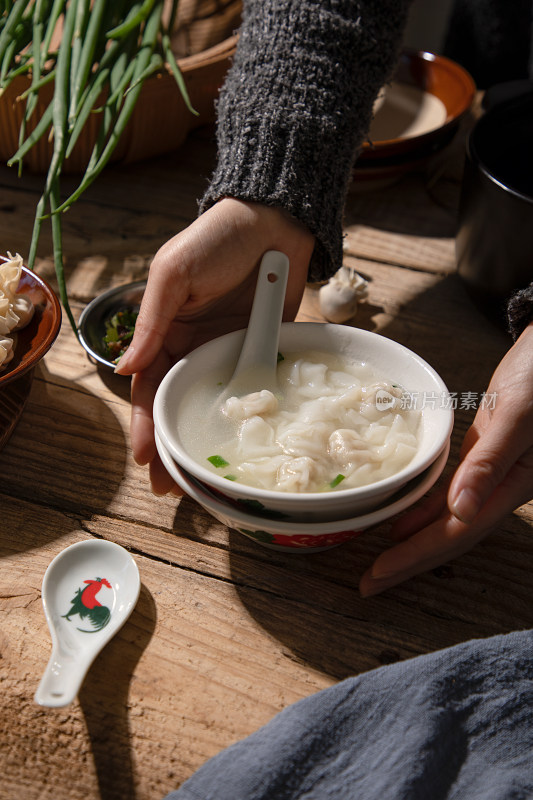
(339, 297)
(337, 303)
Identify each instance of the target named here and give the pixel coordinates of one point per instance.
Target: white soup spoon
(89, 590)
(258, 359)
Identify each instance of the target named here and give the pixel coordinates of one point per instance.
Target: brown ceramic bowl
(398, 148)
(33, 342)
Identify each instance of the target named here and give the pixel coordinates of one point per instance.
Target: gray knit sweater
(297, 104)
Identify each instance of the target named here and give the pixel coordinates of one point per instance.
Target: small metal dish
(92, 323)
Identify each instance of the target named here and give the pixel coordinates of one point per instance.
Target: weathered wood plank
(215, 629)
(226, 632)
(134, 730)
(411, 221)
(392, 225)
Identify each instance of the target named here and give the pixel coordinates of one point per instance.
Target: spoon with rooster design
(89, 590)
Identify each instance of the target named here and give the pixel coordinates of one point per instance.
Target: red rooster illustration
(85, 604)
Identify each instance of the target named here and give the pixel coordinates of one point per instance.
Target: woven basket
(201, 24)
(160, 121)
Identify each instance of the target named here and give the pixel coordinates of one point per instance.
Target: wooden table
(226, 633)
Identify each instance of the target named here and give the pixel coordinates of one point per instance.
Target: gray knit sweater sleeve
(296, 107)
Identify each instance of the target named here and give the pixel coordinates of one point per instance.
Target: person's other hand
(200, 286)
(494, 477)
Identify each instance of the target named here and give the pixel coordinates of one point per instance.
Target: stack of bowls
(313, 520)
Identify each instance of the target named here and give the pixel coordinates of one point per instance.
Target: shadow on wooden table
(119, 385)
(444, 326)
(400, 204)
(104, 702)
(401, 208)
(67, 455)
(312, 606)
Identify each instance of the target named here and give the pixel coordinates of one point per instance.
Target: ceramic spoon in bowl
(256, 367)
(89, 590)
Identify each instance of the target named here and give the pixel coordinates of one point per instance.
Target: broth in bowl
(332, 424)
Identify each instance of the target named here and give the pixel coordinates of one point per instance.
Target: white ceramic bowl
(389, 358)
(283, 534)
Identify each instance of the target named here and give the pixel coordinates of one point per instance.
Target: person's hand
(200, 286)
(494, 477)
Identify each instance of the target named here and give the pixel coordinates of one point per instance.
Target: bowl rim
(271, 496)
(502, 109)
(51, 335)
(407, 497)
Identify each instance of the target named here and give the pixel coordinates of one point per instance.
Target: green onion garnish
(336, 481)
(230, 477)
(218, 461)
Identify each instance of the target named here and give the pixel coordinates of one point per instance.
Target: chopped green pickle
(119, 333)
(336, 481)
(218, 461)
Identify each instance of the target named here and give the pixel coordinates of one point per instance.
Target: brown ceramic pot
(160, 121)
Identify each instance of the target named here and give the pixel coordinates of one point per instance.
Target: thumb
(486, 465)
(162, 299)
(143, 348)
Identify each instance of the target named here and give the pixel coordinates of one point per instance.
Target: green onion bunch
(107, 50)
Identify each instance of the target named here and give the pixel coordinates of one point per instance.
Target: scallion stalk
(107, 51)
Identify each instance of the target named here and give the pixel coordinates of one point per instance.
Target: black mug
(494, 241)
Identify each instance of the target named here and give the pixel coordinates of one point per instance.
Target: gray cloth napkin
(453, 725)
